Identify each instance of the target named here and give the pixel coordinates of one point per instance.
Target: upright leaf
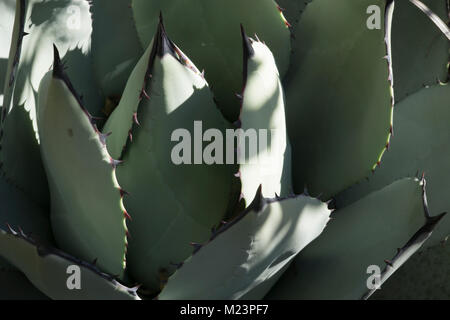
(87, 214)
(176, 197)
(209, 32)
(339, 94)
(262, 140)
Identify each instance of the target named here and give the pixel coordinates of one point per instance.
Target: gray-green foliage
(170, 94)
(335, 266)
(198, 27)
(422, 136)
(260, 242)
(338, 120)
(134, 198)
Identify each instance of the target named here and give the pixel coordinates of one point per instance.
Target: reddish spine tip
(135, 119)
(130, 136)
(123, 192)
(144, 94)
(127, 216)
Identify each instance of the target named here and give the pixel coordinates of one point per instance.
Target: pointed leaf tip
(58, 68)
(247, 45)
(162, 44)
(259, 201)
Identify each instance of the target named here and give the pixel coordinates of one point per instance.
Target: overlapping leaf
(87, 214)
(175, 197)
(249, 253)
(364, 234)
(422, 137)
(208, 31)
(420, 52)
(48, 270)
(115, 44)
(339, 95)
(40, 24)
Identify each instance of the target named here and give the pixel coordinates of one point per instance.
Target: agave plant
(100, 96)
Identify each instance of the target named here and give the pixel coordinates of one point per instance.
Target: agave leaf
(422, 136)
(19, 155)
(358, 236)
(167, 213)
(209, 32)
(420, 51)
(121, 121)
(65, 23)
(38, 25)
(249, 251)
(339, 95)
(48, 270)
(112, 65)
(262, 160)
(428, 271)
(87, 215)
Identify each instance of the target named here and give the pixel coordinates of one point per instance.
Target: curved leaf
(121, 121)
(339, 95)
(48, 270)
(335, 266)
(262, 143)
(420, 145)
(249, 251)
(87, 215)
